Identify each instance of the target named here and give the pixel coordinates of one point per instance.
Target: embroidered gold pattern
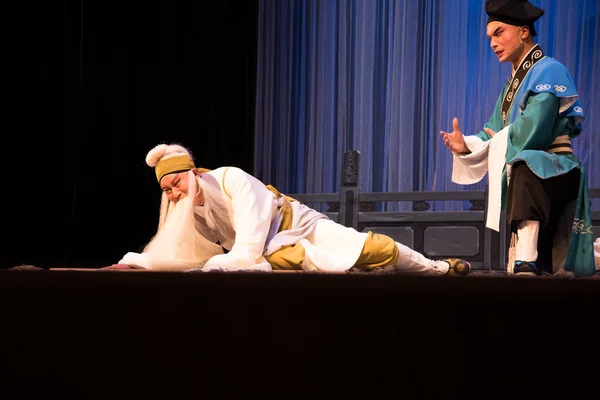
(581, 227)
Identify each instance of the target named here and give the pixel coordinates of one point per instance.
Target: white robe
(256, 219)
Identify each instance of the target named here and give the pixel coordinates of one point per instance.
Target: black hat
(513, 12)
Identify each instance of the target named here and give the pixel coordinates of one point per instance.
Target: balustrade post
(349, 191)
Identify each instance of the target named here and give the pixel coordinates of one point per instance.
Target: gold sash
(286, 209)
(561, 145)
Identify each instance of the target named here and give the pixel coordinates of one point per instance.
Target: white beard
(178, 244)
(215, 216)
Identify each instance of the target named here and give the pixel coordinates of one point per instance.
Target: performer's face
(176, 187)
(506, 40)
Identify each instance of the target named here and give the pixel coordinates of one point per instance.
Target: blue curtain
(385, 76)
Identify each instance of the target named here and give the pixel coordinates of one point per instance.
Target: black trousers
(550, 201)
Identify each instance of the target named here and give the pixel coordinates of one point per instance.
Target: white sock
(527, 242)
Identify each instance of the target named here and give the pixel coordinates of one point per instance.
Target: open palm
(455, 140)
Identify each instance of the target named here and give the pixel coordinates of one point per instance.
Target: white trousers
(411, 262)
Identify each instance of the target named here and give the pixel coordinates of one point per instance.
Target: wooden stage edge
(148, 270)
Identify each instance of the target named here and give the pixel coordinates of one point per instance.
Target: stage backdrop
(384, 77)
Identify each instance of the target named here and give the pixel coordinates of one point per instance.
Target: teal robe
(546, 106)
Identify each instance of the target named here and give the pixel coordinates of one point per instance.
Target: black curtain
(97, 86)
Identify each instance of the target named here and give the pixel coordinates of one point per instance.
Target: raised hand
(455, 140)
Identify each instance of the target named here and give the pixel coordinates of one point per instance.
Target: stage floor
(123, 334)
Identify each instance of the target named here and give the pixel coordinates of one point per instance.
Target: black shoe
(525, 268)
(458, 267)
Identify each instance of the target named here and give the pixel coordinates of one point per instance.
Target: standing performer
(526, 145)
(226, 219)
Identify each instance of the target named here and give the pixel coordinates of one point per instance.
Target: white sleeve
(471, 168)
(139, 260)
(496, 162)
(253, 205)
